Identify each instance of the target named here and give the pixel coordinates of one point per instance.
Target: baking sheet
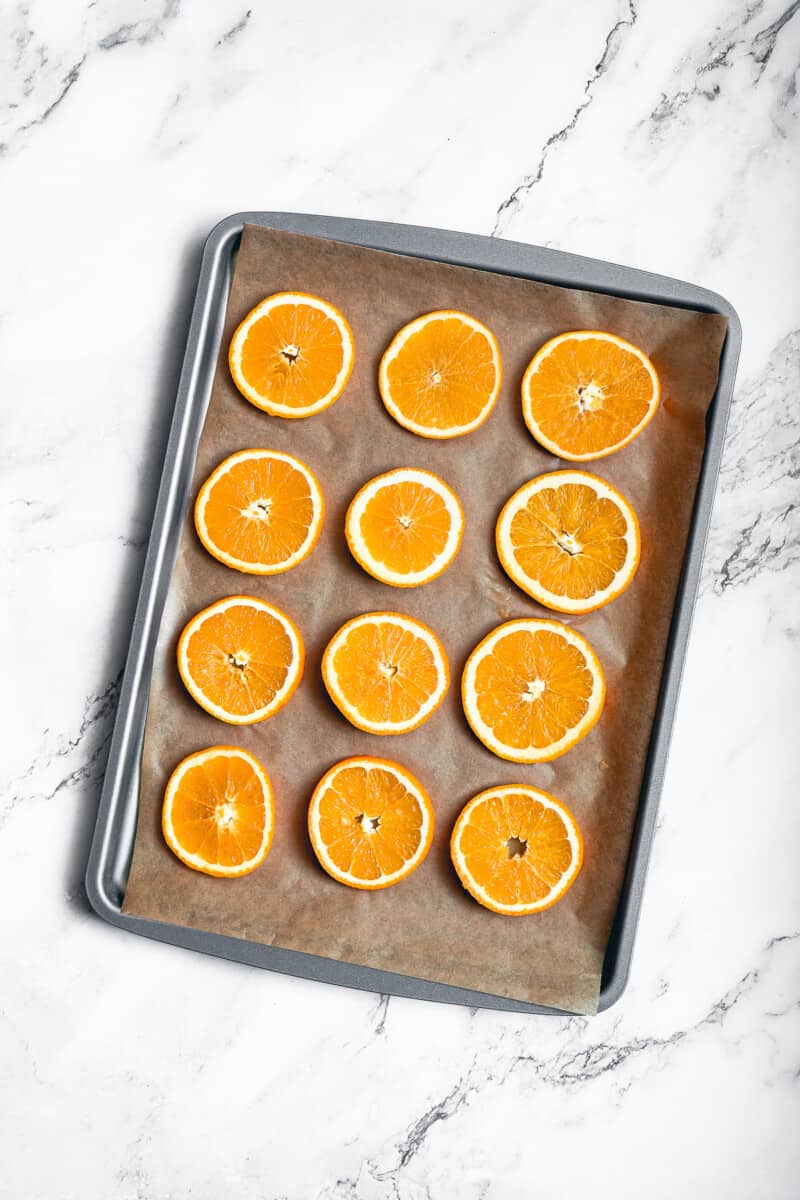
(427, 926)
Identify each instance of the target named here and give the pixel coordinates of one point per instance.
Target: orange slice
(370, 822)
(570, 540)
(292, 355)
(385, 672)
(532, 689)
(587, 394)
(516, 849)
(260, 512)
(405, 527)
(219, 813)
(441, 374)
(241, 659)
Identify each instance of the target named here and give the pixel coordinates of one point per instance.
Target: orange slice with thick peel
(292, 355)
(587, 394)
(517, 850)
(385, 672)
(570, 540)
(260, 512)
(219, 812)
(441, 375)
(532, 689)
(405, 527)
(370, 822)
(241, 659)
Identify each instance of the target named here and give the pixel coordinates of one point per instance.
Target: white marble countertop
(663, 136)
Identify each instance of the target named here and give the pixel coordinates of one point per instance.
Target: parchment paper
(428, 926)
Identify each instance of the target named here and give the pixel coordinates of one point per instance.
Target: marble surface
(660, 135)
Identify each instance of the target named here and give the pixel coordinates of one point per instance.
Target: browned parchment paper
(427, 926)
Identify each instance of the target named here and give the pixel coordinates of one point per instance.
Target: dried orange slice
(370, 822)
(405, 527)
(292, 355)
(260, 512)
(219, 812)
(241, 659)
(441, 374)
(532, 689)
(385, 672)
(587, 394)
(516, 849)
(570, 540)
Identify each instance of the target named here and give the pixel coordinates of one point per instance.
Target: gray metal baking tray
(112, 845)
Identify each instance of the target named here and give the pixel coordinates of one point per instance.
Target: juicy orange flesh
(369, 823)
(570, 540)
(532, 688)
(590, 394)
(218, 812)
(385, 672)
(444, 374)
(508, 876)
(406, 526)
(260, 511)
(293, 355)
(240, 658)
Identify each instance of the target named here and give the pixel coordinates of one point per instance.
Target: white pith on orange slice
(516, 849)
(532, 689)
(386, 672)
(570, 540)
(218, 815)
(441, 374)
(241, 659)
(370, 822)
(292, 354)
(405, 527)
(588, 393)
(260, 512)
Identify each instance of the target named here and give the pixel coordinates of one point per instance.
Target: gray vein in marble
(441, 1111)
(613, 43)
(380, 1014)
(764, 42)
(234, 30)
(143, 31)
(133, 543)
(90, 769)
(727, 47)
(137, 542)
(569, 1068)
(32, 513)
(756, 524)
(68, 82)
(88, 746)
(140, 33)
(757, 549)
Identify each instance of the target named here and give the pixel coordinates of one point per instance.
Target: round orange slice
(441, 374)
(370, 822)
(260, 512)
(405, 527)
(219, 812)
(517, 850)
(241, 659)
(570, 540)
(587, 394)
(385, 672)
(532, 689)
(292, 355)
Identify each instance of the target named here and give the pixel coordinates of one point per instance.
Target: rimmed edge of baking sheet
(112, 844)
